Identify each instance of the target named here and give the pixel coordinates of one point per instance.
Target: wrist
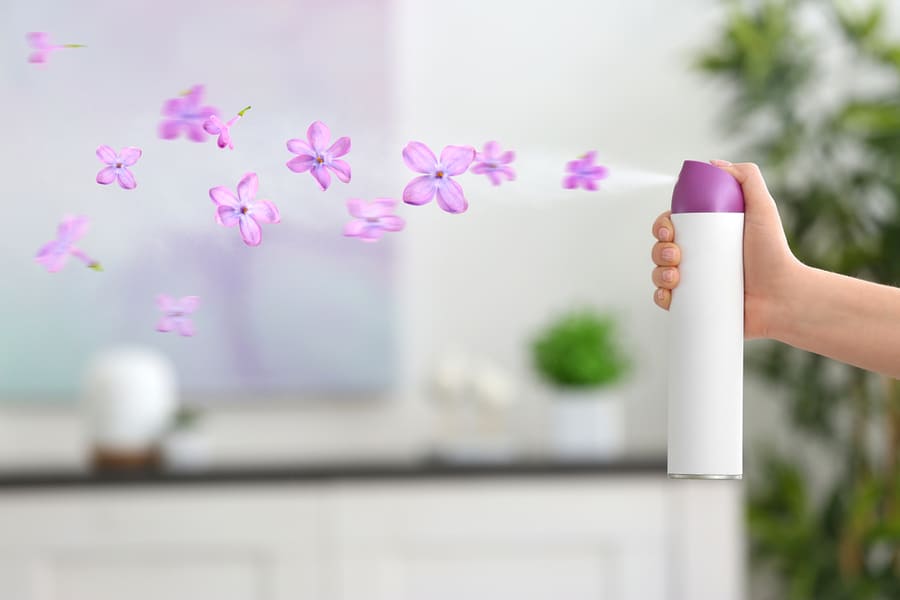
(785, 304)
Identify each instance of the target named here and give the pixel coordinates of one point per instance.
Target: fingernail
(664, 234)
(668, 275)
(719, 163)
(668, 254)
(660, 294)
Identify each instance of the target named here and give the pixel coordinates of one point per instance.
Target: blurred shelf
(323, 472)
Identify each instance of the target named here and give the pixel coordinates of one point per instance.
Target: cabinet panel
(572, 539)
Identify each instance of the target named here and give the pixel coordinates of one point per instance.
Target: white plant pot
(587, 424)
(186, 450)
(130, 396)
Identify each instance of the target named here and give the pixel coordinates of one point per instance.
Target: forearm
(850, 320)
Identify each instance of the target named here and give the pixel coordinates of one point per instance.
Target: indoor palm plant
(579, 355)
(816, 89)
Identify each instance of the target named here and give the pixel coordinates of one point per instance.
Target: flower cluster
(189, 116)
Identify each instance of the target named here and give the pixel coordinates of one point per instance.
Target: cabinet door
(178, 545)
(577, 539)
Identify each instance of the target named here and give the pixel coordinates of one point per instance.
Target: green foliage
(580, 350)
(834, 168)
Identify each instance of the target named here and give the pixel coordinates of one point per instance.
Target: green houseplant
(829, 144)
(580, 357)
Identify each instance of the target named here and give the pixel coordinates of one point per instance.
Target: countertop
(429, 469)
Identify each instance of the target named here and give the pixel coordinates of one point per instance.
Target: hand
(769, 265)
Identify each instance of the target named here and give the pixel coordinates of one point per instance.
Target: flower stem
(80, 255)
(74, 46)
(242, 111)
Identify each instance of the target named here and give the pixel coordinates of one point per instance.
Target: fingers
(663, 230)
(666, 254)
(750, 178)
(663, 298)
(665, 277)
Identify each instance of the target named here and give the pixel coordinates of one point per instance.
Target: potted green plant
(580, 357)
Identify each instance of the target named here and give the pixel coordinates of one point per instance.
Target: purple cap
(703, 188)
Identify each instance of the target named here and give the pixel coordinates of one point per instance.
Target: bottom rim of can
(704, 476)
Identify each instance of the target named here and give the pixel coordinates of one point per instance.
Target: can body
(706, 348)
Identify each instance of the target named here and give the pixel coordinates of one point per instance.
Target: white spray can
(706, 347)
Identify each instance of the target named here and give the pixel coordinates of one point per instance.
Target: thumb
(756, 193)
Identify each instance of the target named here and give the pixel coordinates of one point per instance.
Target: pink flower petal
(165, 324)
(224, 140)
(456, 159)
(185, 327)
(339, 148)
(39, 57)
(250, 231)
(222, 196)
(130, 155)
(172, 108)
(392, 223)
(247, 187)
(106, 154)
(450, 197)
(189, 304)
(72, 229)
(265, 211)
(301, 164)
(357, 208)
(508, 172)
(106, 176)
(571, 182)
(381, 207)
(322, 176)
(299, 147)
(599, 172)
(480, 168)
(354, 227)
(227, 215)
(372, 233)
(213, 125)
(52, 257)
(169, 130)
(126, 179)
(589, 184)
(38, 39)
(165, 302)
(494, 177)
(195, 132)
(491, 151)
(341, 169)
(507, 157)
(318, 136)
(419, 158)
(419, 191)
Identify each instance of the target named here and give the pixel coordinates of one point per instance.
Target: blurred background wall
(551, 82)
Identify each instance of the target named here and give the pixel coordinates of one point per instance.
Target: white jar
(130, 397)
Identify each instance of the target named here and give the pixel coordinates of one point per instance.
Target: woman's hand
(770, 268)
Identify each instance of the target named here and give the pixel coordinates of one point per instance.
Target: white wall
(551, 80)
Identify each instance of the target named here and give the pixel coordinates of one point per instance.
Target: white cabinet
(543, 538)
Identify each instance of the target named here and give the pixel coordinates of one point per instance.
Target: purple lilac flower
(117, 166)
(494, 163)
(53, 254)
(186, 115)
(372, 219)
(215, 126)
(176, 314)
(41, 47)
(437, 175)
(584, 173)
(317, 157)
(244, 209)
